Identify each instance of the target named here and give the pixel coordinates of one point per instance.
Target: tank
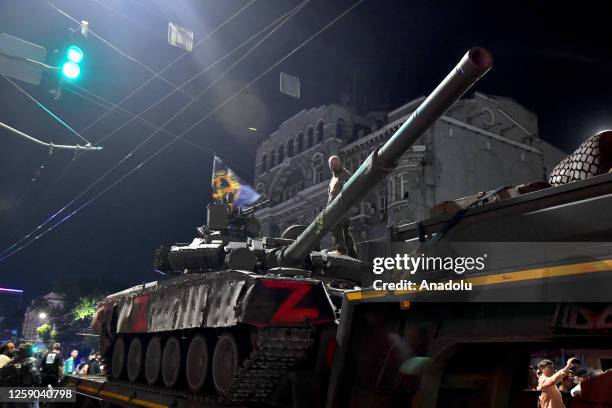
(237, 311)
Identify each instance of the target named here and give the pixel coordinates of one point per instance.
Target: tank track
(275, 351)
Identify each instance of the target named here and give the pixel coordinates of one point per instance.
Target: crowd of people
(22, 366)
(559, 388)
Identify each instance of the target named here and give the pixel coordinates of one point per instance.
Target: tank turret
(240, 311)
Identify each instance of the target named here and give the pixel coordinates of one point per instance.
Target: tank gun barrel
(474, 64)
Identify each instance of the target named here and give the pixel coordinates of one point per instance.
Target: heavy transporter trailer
(398, 348)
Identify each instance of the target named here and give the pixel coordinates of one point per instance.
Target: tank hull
(215, 300)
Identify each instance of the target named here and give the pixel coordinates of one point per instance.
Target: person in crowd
(582, 374)
(532, 379)
(84, 368)
(39, 354)
(52, 366)
(70, 363)
(101, 361)
(22, 370)
(550, 396)
(7, 352)
(565, 389)
(94, 365)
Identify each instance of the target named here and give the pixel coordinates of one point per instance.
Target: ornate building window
(272, 158)
(293, 185)
(300, 142)
(400, 187)
(318, 168)
(320, 131)
(310, 136)
(340, 129)
(382, 201)
(290, 148)
(264, 163)
(281, 153)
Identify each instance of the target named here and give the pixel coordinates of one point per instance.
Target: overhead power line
(182, 134)
(280, 20)
(106, 6)
(106, 103)
(48, 144)
(155, 74)
(43, 107)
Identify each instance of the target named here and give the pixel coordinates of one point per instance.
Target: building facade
(481, 143)
(51, 304)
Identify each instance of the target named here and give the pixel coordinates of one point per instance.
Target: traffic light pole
(87, 147)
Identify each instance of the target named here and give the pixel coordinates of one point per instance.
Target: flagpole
(212, 176)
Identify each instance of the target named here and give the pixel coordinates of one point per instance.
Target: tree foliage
(85, 308)
(46, 332)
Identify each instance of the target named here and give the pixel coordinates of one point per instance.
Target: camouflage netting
(593, 157)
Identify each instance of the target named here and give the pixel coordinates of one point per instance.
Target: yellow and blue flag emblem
(225, 181)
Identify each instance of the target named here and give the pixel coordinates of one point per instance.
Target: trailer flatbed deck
(125, 394)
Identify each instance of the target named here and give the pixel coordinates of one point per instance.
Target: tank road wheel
(171, 362)
(118, 359)
(197, 363)
(226, 360)
(153, 357)
(135, 360)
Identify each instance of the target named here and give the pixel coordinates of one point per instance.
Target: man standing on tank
(342, 236)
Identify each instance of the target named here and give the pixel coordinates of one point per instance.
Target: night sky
(554, 59)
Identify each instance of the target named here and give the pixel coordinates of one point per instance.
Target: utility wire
(106, 103)
(117, 105)
(282, 19)
(154, 155)
(148, 68)
(48, 144)
(106, 6)
(155, 75)
(137, 61)
(43, 107)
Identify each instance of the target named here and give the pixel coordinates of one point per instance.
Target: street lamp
(42, 315)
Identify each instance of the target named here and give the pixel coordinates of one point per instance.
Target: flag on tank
(225, 181)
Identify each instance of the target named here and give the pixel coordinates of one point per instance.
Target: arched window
(290, 148)
(340, 129)
(272, 158)
(281, 153)
(261, 189)
(264, 163)
(293, 185)
(320, 131)
(318, 168)
(300, 142)
(310, 136)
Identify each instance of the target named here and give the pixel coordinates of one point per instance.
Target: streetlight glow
(42, 315)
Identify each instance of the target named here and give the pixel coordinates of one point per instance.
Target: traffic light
(74, 54)
(71, 68)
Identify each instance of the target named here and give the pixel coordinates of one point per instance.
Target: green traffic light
(74, 54)
(71, 70)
